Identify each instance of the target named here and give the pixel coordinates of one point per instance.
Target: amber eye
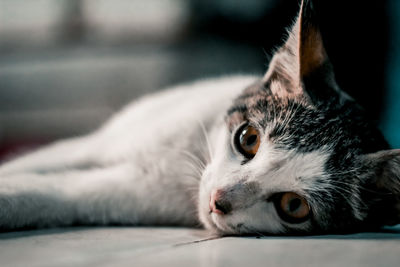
(247, 141)
(292, 208)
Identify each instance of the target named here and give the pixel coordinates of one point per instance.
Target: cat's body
(152, 165)
(288, 152)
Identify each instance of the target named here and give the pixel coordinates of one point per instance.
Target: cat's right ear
(302, 64)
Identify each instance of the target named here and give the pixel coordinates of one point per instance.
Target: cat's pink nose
(219, 204)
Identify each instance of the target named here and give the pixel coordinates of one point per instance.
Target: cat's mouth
(217, 224)
(221, 226)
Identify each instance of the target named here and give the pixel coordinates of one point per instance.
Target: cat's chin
(217, 225)
(221, 224)
(218, 230)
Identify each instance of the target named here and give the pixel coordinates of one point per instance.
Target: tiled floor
(125, 246)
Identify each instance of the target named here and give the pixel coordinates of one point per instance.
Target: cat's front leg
(96, 196)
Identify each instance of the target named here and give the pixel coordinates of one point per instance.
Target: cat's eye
(292, 207)
(247, 141)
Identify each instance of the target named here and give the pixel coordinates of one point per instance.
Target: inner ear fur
(311, 51)
(303, 52)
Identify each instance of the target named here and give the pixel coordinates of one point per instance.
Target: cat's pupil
(247, 141)
(251, 140)
(294, 205)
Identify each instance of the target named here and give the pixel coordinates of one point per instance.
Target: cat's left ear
(303, 56)
(383, 180)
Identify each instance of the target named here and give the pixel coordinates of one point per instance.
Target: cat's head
(297, 154)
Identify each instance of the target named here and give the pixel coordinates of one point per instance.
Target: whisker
(209, 150)
(192, 161)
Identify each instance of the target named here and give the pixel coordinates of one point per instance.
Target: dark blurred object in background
(356, 36)
(67, 65)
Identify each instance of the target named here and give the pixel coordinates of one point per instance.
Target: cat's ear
(383, 182)
(303, 54)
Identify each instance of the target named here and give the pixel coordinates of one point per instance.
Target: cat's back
(187, 100)
(174, 112)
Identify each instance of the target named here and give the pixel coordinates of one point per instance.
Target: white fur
(141, 167)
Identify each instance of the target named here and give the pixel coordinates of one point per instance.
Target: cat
(286, 153)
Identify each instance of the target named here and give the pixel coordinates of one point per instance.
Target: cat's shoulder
(201, 99)
(207, 88)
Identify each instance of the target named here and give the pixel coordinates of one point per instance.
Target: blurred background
(67, 65)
